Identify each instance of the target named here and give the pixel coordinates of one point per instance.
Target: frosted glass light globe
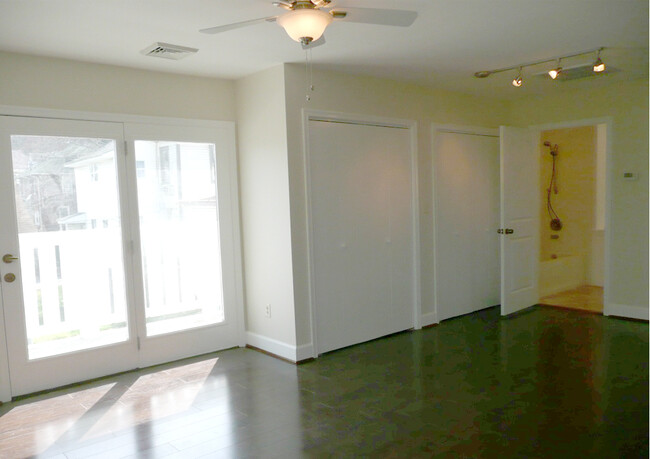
(305, 23)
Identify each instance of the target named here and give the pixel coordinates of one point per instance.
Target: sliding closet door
(362, 214)
(466, 171)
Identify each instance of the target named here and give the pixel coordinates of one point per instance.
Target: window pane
(72, 270)
(179, 233)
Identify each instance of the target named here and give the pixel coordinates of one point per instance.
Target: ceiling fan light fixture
(305, 25)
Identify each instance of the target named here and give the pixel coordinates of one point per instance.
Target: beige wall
(373, 97)
(268, 108)
(627, 106)
(31, 81)
(264, 197)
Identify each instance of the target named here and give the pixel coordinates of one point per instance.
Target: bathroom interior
(572, 217)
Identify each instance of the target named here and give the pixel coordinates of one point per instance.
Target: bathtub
(565, 272)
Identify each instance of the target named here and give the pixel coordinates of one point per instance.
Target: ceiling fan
(307, 19)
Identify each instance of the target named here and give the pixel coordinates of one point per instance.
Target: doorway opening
(572, 217)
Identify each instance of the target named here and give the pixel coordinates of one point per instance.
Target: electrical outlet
(267, 310)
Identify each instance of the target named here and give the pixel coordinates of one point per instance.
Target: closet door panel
(362, 231)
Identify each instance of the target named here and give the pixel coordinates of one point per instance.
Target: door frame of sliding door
(227, 128)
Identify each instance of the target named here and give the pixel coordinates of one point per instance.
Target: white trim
(411, 125)
(429, 318)
(456, 129)
(35, 112)
(5, 382)
(275, 347)
(609, 175)
(626, 310)
(461, 129)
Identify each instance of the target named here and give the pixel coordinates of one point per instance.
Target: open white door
(519, 219)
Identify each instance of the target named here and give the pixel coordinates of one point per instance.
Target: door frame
(349, 118)
(227, 126)
(433, 317)
(608, 307)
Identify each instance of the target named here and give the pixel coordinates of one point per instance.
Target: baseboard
(625, 310)
(428, 318)
(278, 348)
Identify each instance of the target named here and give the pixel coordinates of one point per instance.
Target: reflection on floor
(546, 383)
(586, 298)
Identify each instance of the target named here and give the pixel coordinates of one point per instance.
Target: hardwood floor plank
(475, 386)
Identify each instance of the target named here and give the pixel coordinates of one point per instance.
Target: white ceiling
(449, 41)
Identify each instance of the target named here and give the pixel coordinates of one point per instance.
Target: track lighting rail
(487, 73)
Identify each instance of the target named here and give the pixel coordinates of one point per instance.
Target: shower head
(553, 148)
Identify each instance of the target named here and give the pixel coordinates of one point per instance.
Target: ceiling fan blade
(400, 18)
(237, 25)
(285, 5)
(313, 44)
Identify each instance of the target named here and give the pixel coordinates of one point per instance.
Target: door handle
(8, 258)
(505, 231)
(10, 277)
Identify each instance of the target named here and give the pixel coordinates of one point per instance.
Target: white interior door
(362, 218)
(519, 219)
(64, 280)
(466, 181)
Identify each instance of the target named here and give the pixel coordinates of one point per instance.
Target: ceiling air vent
(167, 51)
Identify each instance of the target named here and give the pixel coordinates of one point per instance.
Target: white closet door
(466, 168)
(362, 231)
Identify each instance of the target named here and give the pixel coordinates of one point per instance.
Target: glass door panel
(66, 282)
(68, 219)
(179, 234)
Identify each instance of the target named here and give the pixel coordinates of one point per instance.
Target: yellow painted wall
(574, 203)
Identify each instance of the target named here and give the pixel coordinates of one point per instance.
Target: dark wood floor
(546, 383)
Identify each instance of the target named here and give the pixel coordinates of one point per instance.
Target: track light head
(599, 66)
(554, 73)
(518, 81)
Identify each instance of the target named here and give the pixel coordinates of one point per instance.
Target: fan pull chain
(309, 75)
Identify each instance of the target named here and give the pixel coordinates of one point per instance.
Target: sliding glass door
(113, 252)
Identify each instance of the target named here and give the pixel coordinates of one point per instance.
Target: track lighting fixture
(554, 73)
(599, 65)
(517, 82)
